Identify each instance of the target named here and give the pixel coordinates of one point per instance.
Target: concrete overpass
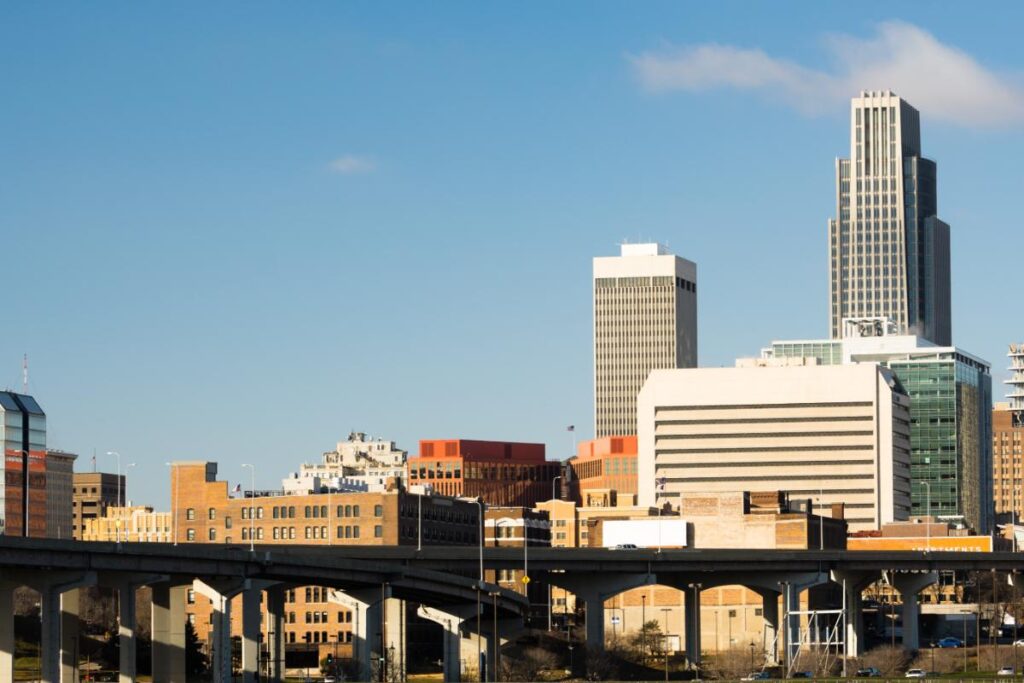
(369, 587)
(444, 580)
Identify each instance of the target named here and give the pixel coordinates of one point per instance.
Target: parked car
(915, 673)
(950, 641)
(1005, 671)
(1018, 643)
(803, 674)
(757, 676)
(869, 672)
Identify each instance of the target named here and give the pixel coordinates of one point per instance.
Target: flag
(571, 428)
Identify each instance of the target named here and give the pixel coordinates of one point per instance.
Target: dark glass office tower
(888, 250)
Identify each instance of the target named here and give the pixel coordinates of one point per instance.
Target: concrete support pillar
(275, 633)
(791, 624)
(593, 590)
(220, 599)
(168, 631)
(50, 650)
(6, 632)
(909, 586)
(250, 634)
(450, 619)
(367, 622)
(691, 617)
(853, 585)
(770, 612)
(394, 630)
(69, 628)
(126, 630)
(594, 605)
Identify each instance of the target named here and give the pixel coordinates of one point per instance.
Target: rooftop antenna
(24, 374)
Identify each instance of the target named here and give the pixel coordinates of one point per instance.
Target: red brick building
(602, 466)
(499, 472)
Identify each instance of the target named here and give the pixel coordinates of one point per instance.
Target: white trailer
(654, 532)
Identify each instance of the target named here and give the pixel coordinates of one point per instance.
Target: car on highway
(624, 546)
(949, 641)
(869, 672)
(915, 673)
(757, 676)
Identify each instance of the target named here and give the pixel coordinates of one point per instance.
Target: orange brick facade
(498, 472)
(203, 512)
(607, 464)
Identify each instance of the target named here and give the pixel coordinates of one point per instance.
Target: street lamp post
(479, 587)
(821, 518)
(419, 521)
(665, 611)
(643, 626)
(118, 456)
(25, 498)
(123, 513)
(252, 494)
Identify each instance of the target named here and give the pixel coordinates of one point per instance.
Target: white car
(1018, 643)
(1005, 671)
(915, 673)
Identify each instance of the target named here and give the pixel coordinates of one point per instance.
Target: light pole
(419, 521)
(479, 587)
(124, 514)
(665, 611)
(965, 613)
(252, 494)
(643, 626)
(174, 504)
(118, 456)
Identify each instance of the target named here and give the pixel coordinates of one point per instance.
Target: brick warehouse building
(602, 466)
(498, 472)
(204, 512)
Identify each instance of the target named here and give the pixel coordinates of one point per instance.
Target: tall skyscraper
(888, 251)
(645, 318)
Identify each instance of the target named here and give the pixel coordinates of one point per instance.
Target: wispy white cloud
(942, 81)
(351, 164)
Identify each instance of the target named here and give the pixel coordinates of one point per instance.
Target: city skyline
(194, 267)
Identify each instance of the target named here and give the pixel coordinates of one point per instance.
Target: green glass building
(950, 414)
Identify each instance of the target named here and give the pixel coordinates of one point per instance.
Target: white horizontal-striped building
(835, 434)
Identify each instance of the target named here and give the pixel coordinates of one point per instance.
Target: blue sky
(236, 231)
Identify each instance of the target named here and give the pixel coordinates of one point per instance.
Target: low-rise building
(604, 465)
(92, 494)
(60, 473)
(205, 512)
(129, 524)
(497, 472)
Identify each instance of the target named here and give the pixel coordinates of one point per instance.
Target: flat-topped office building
(832, 434)
(645, 317)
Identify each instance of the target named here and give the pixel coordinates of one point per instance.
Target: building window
(259, 513)
(378, 510)
(192, 619)
(211, 513)
(291, 511)
(191, 599)
(190, 514)
(378, 531)
(190, 534)
(212, 534)
(227, 522)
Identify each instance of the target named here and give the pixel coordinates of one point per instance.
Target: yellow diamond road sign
(526, 579)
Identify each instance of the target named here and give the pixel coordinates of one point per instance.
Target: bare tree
(528, 665)
(26, 602)
(731, 664)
